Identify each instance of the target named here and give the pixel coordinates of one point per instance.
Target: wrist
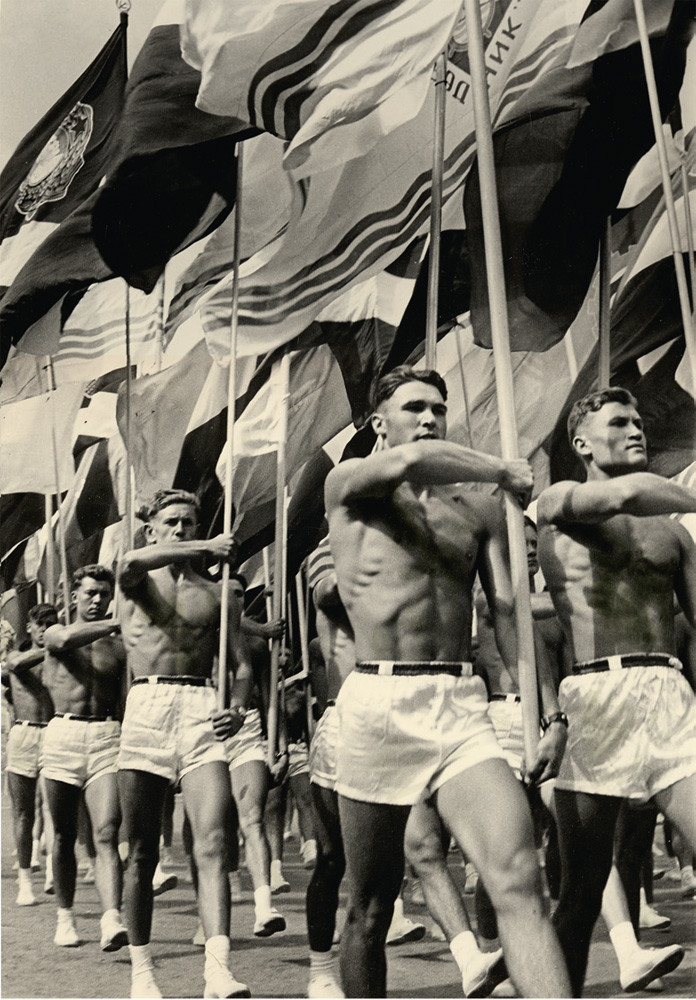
(239, 710)
(555, 718)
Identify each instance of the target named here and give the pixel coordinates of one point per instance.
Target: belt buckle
(385, 668)
(615, 662)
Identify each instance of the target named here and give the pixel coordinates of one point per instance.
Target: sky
(45, 45)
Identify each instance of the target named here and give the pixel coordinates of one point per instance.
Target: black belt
(83, 718)
(186, 679)
(624, 660)
(414, 668)
(26, 722)
(505, 697)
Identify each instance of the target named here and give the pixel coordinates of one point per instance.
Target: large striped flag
(330, 76)
(350, 222)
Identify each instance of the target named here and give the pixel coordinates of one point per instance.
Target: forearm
(651, 495)
(136, 564)
(542, 606)
(62, 637)
(18, 662)
(442, 462)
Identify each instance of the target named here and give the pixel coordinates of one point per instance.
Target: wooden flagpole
(56, 475)
(129, 431)
(435, 212)
(50, 550)
(604, 375)
(687, 319)
(278, 595)
(689, 237)
(302, 610)
(503, 375)
(229, 443)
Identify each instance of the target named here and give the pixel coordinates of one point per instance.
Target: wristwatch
(239, 710)
(548, 720)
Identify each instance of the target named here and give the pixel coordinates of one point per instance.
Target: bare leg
(373, 836)
(322, 891)
(586, 838)
(274, 820)
(206, 792)
(677, 803)
(102, 801)
(64, 803)
(303, 800)
(23, 798)
(509, 868)
(142, 797)
(250, 788)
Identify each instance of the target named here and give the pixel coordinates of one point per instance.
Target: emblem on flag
(459, 42)
(58, 162)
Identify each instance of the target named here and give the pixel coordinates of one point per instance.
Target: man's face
(37, 631)
(238, 590)
(415, 412)
(175, 523)
(92, 599)
(613, 439)
(530, 537)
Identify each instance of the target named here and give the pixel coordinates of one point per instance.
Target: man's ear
(148, 533)
(581, 447)
(378, 424)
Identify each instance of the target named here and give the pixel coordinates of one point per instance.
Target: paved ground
(276, 967)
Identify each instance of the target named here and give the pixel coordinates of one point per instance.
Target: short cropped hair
(102, 574)
(593, 402)
(43, 614)
(240, 578)
(165, 498)
(529, 523)
(402, 375)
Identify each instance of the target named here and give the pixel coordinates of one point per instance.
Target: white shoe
(199, 937)
(35, 863)
(650, 919)
(144, 987)
(405, 930)
(437, 933)
(25, 896)
(221, 983)
(484, 973)
(269, 923)
(236, 891)
(505, 989)
(279, 884)
(163, 883)
(656, 986)
(309, 853)
(66, 934)
(649, 964)
(324, 987)
(114, 935)
(688, 884)
(88, 877)
(471, 879)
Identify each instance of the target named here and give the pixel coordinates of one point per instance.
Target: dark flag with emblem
(62, 160)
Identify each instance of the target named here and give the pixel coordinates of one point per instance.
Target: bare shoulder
(552, 499)
(487, 508)
(336, 480)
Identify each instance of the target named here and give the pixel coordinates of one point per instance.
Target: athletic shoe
(269, 923)
(648, 964)
(437, 933)
(471, 879)
(221, 983)
(505, 989)
(25, 896)
(48, 886)
(114, 934)
(66, 934)
(164, 883)
(309, 853)
(279, 884)
(486, 971)
(650, 919)
(688, 884)
(324, 987)
(144, 987)
(405, 930)
(236, 891)
(199, 937)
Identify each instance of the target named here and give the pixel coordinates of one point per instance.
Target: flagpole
(302, 610)
(128, 442)
(687, 319)
(689, 237)
(50, 550)
(604, 375)
(56, 476)
(503, 376)
(465, 394)
(278, 556)
(229, 443)
(435, 212)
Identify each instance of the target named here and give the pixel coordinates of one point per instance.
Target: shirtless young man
(172, 729)
(413, 720)
(84, 672)
(613, 563)
(33, 709)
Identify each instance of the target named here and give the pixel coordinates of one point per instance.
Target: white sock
(112, 914)
(49, 868)
(464, 947)
(643, 899)
(277, 870)
(262, 899)
(64, 915)
(141, 958)
(623, 938)
(217, 953)
(321, 963)
(398, 909)
(687, 875)
(24, 876)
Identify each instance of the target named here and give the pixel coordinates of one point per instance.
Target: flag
(33, 433)
(561, 166)
(351, 222)
(174, 174)
(330, 76)
(61, 160)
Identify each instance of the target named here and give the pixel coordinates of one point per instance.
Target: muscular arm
(16, 663)
(421, 463)
(685, 580)
(497, 586)
(639, 493)
(134, 566)
(59, 638)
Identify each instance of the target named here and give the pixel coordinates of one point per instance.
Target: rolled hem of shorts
(318, 779)
(678, 773)
(201, 763)
(596, 788)
(462, 764)
(111, 769)
(158, 772)
(23, 774)
(75, 782)
(247, 758)
(358, 796)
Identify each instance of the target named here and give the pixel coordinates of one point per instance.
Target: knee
(513, 877)
(370, 917)
(210, 845)
(423, 852)
(106, 834)
(251, 819)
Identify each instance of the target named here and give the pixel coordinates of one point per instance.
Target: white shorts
(401, 737)
(298, 759)
(167, 730)
(78, 752)
(248, 744)
(631, 732)
(24, 746)
(506, 716)
(322, 752)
